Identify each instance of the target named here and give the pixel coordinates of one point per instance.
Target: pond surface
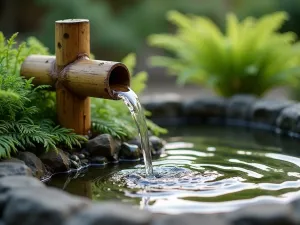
(204, 170)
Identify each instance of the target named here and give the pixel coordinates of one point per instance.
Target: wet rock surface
(104, 145)
(34, 163)
(129, 152)
(56, 161)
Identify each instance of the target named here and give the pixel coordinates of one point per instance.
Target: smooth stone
(15, 182)
(41, 206)
(129, 152)
(110, 214)
(289, 119)
(266, 111)
(14, 169)
(99, 160)
(74, 164)
(12, 182)
(104, 145)
(189, 219)
(56, 161)
(238, 107)
(74, 158)
(33, 162)
(199, 110)
(81, 156)
(262, 214)
(158, 144)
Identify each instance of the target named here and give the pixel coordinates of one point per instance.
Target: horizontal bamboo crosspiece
(74, 76)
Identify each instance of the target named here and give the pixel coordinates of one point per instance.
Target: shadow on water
(205, 169)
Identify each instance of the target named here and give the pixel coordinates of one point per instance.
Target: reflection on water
(215, 170)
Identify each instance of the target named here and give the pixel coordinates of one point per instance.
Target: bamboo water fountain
(74, 76)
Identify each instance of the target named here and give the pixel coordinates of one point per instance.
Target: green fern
(250, 57)
(113, 117)
(25, 111)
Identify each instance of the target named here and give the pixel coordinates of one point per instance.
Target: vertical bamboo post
(72, 38)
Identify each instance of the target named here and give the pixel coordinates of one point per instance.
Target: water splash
(132, 102)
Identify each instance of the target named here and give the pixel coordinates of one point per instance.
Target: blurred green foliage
(250, 57)
(121, 26)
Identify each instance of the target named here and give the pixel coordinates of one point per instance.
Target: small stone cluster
(282, 116)
(98, 151)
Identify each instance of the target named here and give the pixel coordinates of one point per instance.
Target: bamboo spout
(74, 76)
(93, 78)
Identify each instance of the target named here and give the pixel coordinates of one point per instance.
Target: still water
(203, 170)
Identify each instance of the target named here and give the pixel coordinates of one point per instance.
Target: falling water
(136, 110)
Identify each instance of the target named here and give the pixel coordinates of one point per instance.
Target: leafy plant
(23, 123)
(113, 117)
(251, 56)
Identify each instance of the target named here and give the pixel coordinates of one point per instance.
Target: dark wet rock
(34, 163)
(56, 161)
(199, 110)
(289, 119)
(74, 158)
(11, 182)
(167, 107)
(158, 144)
(266, 111)
(262, 214)
(188, 219)
(99, 160)
(129, 152)
(104, 145)
(74, 164)
(238, 107)
(85, 153)
(41, 206)
(135, 141)
(110, 214)
(84, 162)
(81, 156)
(14, 169)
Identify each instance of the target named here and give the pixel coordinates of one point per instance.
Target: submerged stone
(56, 161)
(41, 206)
(104, 145)
(110, 214)
(14, 169)
(129, 152)
(33, 162)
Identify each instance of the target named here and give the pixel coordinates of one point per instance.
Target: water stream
(132, 102)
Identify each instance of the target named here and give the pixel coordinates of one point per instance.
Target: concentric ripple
(197, 176)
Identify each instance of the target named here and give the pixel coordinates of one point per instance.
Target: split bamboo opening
(74, 76)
